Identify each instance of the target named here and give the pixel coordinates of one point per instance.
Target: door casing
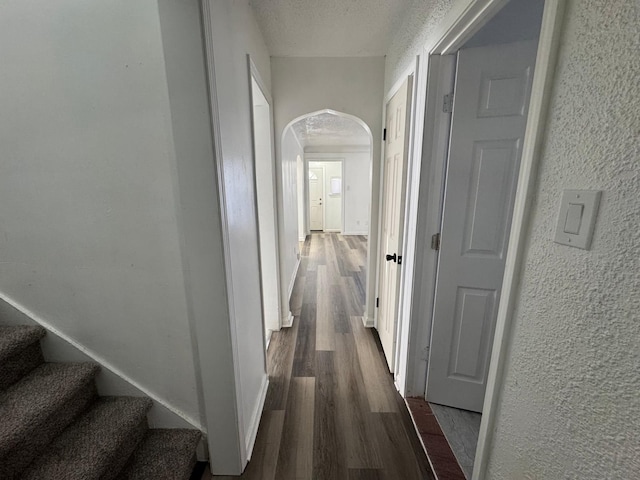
(462, 22)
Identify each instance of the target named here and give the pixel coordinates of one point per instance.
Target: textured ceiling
(328, 28)
(328, 129)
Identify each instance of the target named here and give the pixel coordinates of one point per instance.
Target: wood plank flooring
(332, 411)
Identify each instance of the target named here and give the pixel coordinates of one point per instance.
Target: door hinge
(384, 135)
(435, 241)
(377, 302)
(447, 103)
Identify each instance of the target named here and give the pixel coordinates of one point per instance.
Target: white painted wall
(90, 239)
(287, 162)
(235, 33)
(332, 203)
(348, 85)
(265, 191)
(569, 404)
(355, 187)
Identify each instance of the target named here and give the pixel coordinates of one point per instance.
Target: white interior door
(316, 189)
(395, 155)
(488, 124)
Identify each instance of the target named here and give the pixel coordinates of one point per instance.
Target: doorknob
(391, 257)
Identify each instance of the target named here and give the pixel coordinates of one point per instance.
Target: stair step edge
(13, 339)
(88, 448)
(32, 400)
(165, 454)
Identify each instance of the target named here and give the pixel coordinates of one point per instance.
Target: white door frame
(415, 131)
(254, 74)
(307, 200)
(460, 25)
(325, 157)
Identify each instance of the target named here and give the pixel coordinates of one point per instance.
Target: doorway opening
(480, 81)
(265, 187)
(326, 204)
(334, 191)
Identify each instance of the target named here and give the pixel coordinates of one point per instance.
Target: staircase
(54, 426)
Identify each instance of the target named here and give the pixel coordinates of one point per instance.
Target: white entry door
(487, 128)
(395, 155)
(316, 189)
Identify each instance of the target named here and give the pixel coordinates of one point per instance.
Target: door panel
(487, 128)
(395, 154)
(316, 208)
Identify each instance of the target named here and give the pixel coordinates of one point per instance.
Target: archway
(328, 137)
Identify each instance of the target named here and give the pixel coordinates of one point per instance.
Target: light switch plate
(578, 211)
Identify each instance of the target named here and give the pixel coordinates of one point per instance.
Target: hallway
(332, 411)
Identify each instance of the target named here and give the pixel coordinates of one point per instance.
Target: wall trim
(292, 281)
(67, 350)
(287, 321)
(368, 322)
(216, 443)
(252, 430)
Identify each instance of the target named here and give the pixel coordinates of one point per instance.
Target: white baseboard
(332, 230)
(292, 280)
(368, 322)
(346, 234)
(302, 239)
(288, 322)
(267, 339)
(110, 381)
(252, 432)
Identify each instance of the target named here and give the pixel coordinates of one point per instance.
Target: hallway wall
(355, 186)
(348, 85)
(569, 403)
(88, 220)
(236, 33)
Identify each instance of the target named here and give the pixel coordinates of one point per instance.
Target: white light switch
(578, 210)
(574, 218)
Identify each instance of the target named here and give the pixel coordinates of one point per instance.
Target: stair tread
(87, 447)
(165, 454)
(37, 396)
(14, 339)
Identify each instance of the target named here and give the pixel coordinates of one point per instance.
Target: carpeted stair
(54, 426)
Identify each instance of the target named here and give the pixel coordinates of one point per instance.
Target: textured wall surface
(416, 30)
(334, 28)
(570, 405)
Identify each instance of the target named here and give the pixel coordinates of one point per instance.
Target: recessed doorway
(324, 184)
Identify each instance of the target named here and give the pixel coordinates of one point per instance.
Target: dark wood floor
(332, 411)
